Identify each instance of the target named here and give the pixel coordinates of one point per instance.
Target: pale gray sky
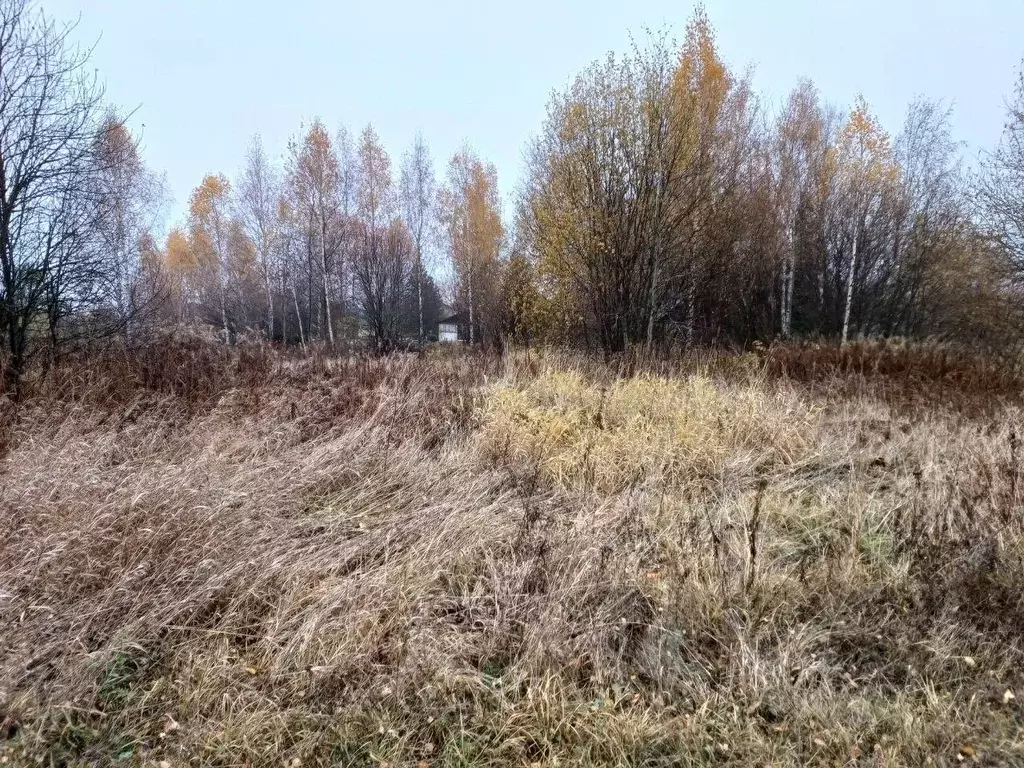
(207, 74)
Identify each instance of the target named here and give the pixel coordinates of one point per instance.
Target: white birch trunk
(652, 296)
(849, 289)
(224, 313)
(327, 286)
(419, 286)
(284, 313)
(270, 308)
(298, 316)
(472, 332)
(788, 281)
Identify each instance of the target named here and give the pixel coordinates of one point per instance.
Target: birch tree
(210, 241)
(382, 254)
(258, 208)
(182, 270)
(314, 176)
(469, 211)
(797, 155)
(418, 192)
(126, 197)
(866, 167)
(701, 90)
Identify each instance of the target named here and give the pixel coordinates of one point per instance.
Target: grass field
(791, 557)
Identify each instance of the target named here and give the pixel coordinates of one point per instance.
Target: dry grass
(918, 374)
(645, 431)
(462, 562)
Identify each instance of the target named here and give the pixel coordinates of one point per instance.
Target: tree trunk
(419, 287)
(284, 319)
(310, 307)
(224, 313)
(652, 295)
(691, 306)
(51, 360)
(788, 281)
(784, 285)
(849, 289)
(16, 342)
(327, 286)
(472, 330)
(298, 316)
(270, 310)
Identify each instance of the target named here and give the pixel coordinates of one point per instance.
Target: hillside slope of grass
(221, 560)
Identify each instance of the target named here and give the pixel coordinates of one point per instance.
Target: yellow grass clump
(605, 437)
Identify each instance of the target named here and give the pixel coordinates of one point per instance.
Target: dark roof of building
(451, 316)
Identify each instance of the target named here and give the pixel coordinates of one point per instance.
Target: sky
(204, 76)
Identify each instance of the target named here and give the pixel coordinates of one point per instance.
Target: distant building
(451, 326)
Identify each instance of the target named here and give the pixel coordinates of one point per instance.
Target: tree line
(666, 202)
(335, 245)
(663, 202)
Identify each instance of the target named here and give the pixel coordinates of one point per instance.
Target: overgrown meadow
(795, 556)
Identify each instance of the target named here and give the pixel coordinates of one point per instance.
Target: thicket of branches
(664, 203)
(74, 197)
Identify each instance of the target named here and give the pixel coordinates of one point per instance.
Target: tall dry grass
(469, 561)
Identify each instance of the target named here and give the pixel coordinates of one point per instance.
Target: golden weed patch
(589, 436)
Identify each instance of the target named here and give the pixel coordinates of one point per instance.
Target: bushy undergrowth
(928, 373)
(460, 560)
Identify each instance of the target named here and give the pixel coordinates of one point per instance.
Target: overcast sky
(206, 75)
